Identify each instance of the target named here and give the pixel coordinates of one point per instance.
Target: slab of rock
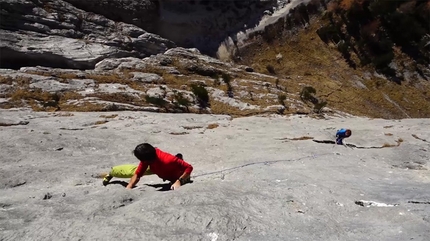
(338, 193)
(51, 85)
(56, 34)
(220, 95)
(119, 63)
(147, 78)
(117, 88)
(79, 84)
(4, 89)
(157, 91)
(8, 121)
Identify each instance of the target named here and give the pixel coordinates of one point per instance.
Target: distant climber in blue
(341, 134)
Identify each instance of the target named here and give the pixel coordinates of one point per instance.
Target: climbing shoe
(106, 179)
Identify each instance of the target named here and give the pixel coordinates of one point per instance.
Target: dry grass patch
(178, 133)
(84, 107)
(386, 127)
(67, 76)
(173, 80)
(101, 122)
(398, 141)
(63, 114)
(69, 95)
(264, 101)
(6, 80)
(138, 86)
(119, 98)
(110, 79)
(109, 116)
(212, 126)
(61, 77)
(388, 145)
(192, 127)
(150, 69)
(25, 94)
(40, 100)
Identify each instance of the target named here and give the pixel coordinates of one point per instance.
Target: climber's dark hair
(145, 152)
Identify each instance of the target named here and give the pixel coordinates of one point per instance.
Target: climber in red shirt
(165, 165)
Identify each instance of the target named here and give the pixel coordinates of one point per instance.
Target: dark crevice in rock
(355, 146)
(364, 203)
(421, 139)
(12, 59)
(419, 202)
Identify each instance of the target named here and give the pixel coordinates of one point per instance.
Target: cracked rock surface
(254, 178)
(57, 34)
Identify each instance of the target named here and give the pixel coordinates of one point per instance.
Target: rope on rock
(256, 163)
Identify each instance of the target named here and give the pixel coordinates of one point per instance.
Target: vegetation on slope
(370, 30)
(350, 52)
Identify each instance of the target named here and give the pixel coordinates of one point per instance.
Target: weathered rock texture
(77, 34)
(142, 13)
(205, 24)
(125, 83)
(196, 23)
(254, 178)
(56, 34)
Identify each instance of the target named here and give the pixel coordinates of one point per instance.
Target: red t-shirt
(166, 166)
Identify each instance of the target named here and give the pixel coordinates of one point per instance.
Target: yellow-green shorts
(126, 171)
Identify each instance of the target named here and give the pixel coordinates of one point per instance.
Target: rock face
(249, 182)
(77, 34)
(196, 23)
(56, 34)
(206, 24)
(142, 13)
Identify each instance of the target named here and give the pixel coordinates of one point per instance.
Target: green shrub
(307, 94)
(270, 69)
(318, 106)
(226, 78)
(281, 99)
(181, 101)
(201, 94)
(157, 101)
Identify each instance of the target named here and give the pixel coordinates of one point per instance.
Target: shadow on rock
(122, 183)
(163, 186)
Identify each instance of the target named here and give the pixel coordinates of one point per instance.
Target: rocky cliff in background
(141, 13)
(56, 34)
(80, 55)
(196, 23)
(77, 34)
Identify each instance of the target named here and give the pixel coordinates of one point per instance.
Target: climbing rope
(257, 163)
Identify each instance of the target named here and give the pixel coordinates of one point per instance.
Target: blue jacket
(341, 133)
